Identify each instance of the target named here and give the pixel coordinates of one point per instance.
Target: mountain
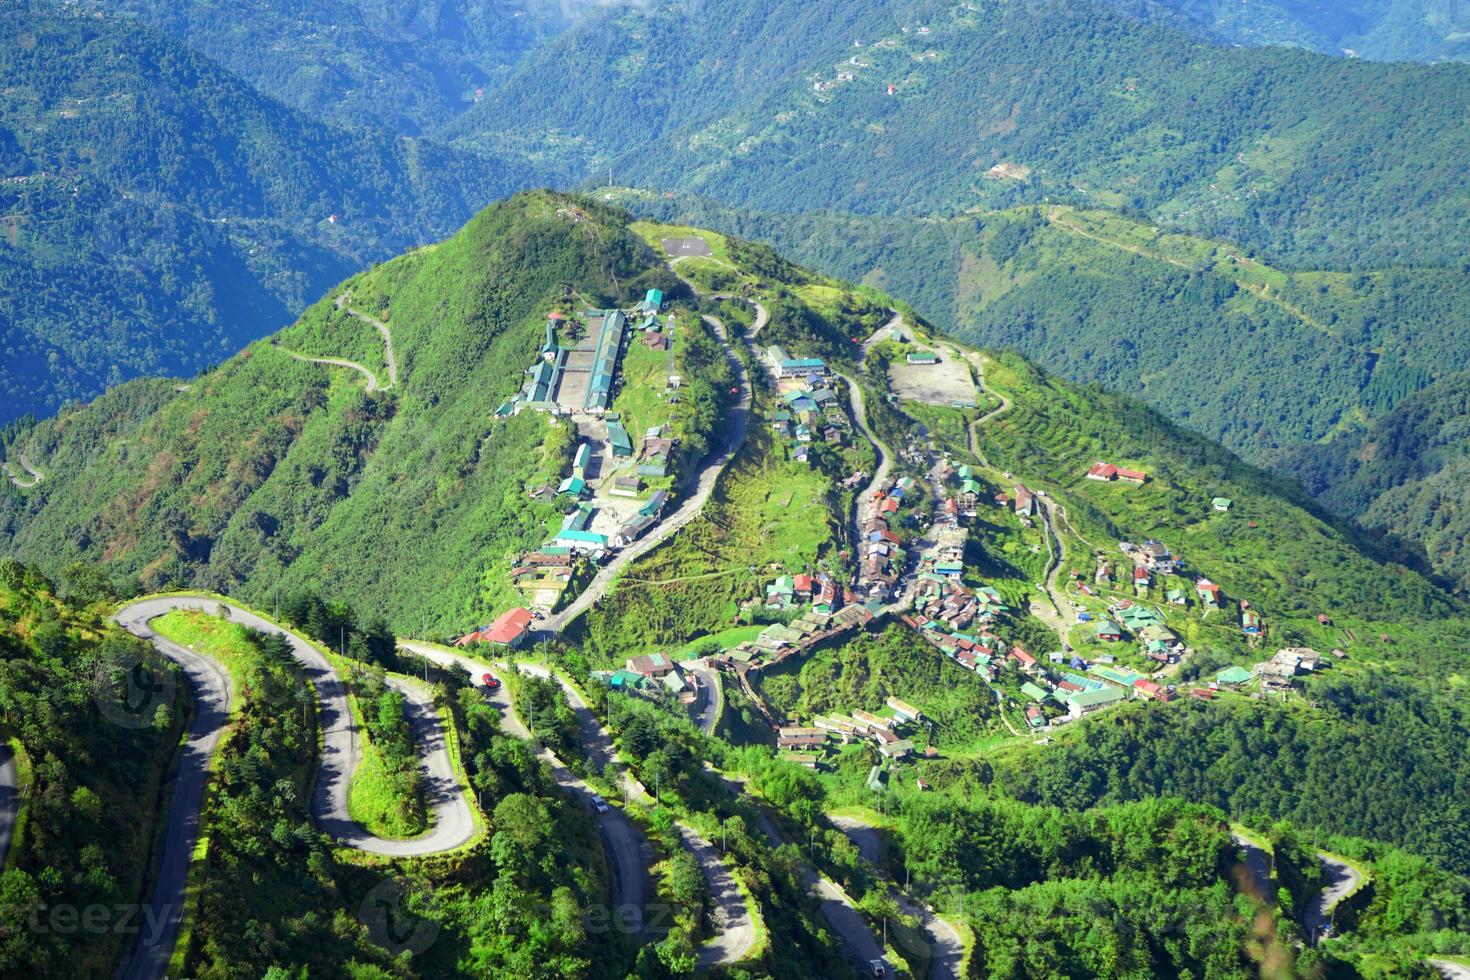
(1305, 159)
(401, 68)
(271, 473)
(159, 213)
(1313, 358)
(1405, 474)
(1384, 30)
(364, 471)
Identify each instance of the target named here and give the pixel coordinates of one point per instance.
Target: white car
(599, 804)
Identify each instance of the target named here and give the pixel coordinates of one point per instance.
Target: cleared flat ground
(678, 248)
(937, 384)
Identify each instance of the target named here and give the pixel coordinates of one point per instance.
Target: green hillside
(271, 474)
(93, 763)
(404, 69)
(1405, 474)
(159, 213)
(1385, 30)
(1308, 159)
(1294, 370)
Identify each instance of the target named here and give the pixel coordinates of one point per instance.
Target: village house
(510, 629)
(651, 665)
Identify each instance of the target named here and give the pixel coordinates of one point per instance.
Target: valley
(751, 491)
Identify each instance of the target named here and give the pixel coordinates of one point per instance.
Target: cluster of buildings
(882, 557)
(1145, 623)
(808, 746)
(781, 640)
(811, 412)
(821, 590)
(653, 675)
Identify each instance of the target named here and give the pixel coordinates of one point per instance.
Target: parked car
(490, 682)
(599, 803)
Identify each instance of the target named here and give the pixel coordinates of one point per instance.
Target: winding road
(735, 932)
(373, 384)
(383, 332)
(863, 509)
(36, 475)
(1342, 879)
(836, 906)
(9, 799)
(340, 752)
(946, 950)
(630, 853)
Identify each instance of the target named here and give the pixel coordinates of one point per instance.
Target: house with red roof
(511, 629)
(1103, 472)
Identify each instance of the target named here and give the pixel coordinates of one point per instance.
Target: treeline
(1380, 759)
(92, 716)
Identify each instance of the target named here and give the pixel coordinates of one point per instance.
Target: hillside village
(1116, 633)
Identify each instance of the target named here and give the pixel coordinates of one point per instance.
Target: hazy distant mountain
(161, 213)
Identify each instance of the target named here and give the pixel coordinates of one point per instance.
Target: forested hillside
(1406, 474)
(92, 758)
(1308, 159)
(1385, 30)
(159, 213)
(272, 474)
(404, 68)
(1312, 358)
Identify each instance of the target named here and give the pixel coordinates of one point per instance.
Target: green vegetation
(96, 773)
(1071, 101)
(270, 476)
(387, 795)
(161, 213)
(1375, 760)
(1100, 298)
(357, 64)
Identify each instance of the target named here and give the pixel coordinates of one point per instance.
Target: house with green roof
(1233, 676)
(1035, 692)
(1222, 504)
(1080, 703)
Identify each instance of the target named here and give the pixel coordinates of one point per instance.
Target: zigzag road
(341, 751)
(735, 932)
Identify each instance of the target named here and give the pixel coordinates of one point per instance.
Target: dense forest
(1378, 760)
(401, 68)
(91, 716)
(1071, 102)
(160, 214)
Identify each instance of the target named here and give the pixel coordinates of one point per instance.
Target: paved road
(864, 508)
(383, 331)
(709, 683)
(453, 820)
(212, 696)
(737, 420)
(1342, 880)
(372, 379)
(836, 906)
(1258, 866)
(734, 930)
(9, 799)
(735, 933)
(630, 853)
(36, 475)
(946, 949)
(1451, 970)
